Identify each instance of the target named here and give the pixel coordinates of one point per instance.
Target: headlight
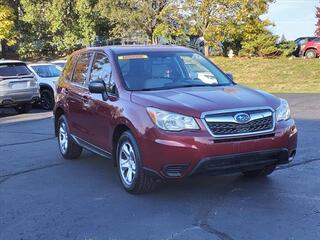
(171, 121)
(283, 111)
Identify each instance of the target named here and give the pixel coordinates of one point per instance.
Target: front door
(102, 112)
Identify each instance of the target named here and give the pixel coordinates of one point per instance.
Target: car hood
(196, 100)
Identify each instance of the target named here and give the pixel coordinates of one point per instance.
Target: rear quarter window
(68, 69)
(14, 69)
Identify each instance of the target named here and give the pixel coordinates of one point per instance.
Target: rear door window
(81, 69)
(14, 69)
(68, 69)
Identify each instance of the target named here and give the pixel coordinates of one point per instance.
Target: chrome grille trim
(265, 112)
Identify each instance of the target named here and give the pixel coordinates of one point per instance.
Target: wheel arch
(118, 131)
(44, 86)
(311, 48)
(57, 114)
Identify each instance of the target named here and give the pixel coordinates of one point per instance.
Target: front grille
(226, 125)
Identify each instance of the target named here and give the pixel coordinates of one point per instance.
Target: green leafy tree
(286, 48)
(34, 27)
(7, 24)
(232, 22)
(172, 26)
(262, 44)
(60, 26)
(149, 18)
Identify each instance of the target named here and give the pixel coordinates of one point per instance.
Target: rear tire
(25, 108)
(68, 148)
(130, 168)
(260, 172)
(47, 99)
(311, 53)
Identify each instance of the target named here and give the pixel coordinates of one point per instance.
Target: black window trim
(111, 73)
(77, 56)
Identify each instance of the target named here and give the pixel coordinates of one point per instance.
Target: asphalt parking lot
(43, 196)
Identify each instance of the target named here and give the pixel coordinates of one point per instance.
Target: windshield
(47, 71)
(14, 69)
(161, 70)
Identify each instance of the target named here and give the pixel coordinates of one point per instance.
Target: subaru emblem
(242, 117)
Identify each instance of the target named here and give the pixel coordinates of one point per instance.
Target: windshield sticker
(128, 57)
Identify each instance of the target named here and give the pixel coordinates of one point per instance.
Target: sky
(293, 18)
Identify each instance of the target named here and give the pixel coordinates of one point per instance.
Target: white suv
(47, 75)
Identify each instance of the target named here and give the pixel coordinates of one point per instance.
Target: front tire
(25, 108)
(68, 148)
(130, 168)
(260, 172)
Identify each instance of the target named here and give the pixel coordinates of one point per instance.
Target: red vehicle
(308, 47)
(167, 112)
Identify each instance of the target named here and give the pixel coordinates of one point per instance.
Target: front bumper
(177, 155)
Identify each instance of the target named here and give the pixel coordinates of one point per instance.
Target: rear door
(77, 99)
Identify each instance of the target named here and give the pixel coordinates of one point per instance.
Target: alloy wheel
(63, 138)
(127, 163)
(311, 54)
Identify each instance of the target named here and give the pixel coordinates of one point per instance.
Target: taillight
(3, 83)
(33, 82)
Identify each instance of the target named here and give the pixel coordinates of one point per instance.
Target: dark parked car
(308, 47)
(167, 113)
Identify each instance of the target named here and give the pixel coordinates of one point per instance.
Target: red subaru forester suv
(165, 112)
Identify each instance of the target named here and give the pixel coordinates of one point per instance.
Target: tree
(228, 21)
(7, 24)
(138, 17)
(262, 45)
(60, 26)
(35, 28)
(317, 32)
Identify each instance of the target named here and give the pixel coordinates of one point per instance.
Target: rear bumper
(178, 155)
(11, 98)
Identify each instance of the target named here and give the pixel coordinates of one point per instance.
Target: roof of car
(10, 61)
(59, 61)
(132, 49)
(41, 64)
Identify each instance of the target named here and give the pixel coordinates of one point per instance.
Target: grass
(274, 75)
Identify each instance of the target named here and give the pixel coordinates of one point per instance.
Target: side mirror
(99, 86)
(230, 75)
